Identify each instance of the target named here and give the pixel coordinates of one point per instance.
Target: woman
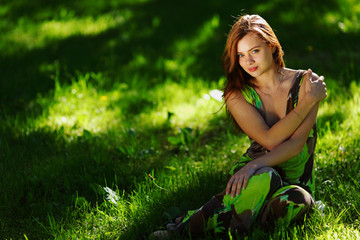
(273, 182)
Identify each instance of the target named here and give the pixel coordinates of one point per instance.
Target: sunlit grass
(346, 18)
(184, 101)
(27, 34)
(159, 140)
(183, 173)
(59, 29)
(342, 122)
(80, 106)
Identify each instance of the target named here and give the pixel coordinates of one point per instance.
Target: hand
(315, 86)
(239, 180)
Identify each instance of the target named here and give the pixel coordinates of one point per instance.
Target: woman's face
(254, 55)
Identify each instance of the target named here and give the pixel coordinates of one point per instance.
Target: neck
(269, 79)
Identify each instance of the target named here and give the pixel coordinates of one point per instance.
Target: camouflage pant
(266, 200)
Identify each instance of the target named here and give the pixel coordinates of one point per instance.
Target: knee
(299, 195)
(276, 181)
(291, 205)
(265, 170)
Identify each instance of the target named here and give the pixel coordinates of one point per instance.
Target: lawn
(110, 120)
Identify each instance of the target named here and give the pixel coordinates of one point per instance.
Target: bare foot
(178, 220)
(160, 234)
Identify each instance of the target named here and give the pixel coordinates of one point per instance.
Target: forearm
(284, 128)
(290, 148)
(280, 154)
(254, 125)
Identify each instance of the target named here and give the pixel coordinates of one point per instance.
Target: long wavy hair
(236, 76)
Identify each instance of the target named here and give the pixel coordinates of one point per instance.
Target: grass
(108, 124)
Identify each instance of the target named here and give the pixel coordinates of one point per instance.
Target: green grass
(107, 126)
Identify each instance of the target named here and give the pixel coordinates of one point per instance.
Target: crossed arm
(286, 138)
(283, 152)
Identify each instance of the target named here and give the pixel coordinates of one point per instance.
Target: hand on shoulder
(315, 87)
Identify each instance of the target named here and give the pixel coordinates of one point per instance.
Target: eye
(240, 55)
(255, 51)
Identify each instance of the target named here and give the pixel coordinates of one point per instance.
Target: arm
(290, 148)
(295, 144)
(257, 129)
(285, 151)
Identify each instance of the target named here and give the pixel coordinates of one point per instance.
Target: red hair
(236, 77)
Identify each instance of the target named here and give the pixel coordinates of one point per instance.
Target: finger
(309, 74)
(228, 187)
(233, 187)
(239, 187)
(320, 79)
(245, 182)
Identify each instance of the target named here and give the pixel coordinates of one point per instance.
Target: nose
(249, 60)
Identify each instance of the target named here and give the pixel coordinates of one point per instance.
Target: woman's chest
(274, 107)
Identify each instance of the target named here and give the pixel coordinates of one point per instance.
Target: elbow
(270, 147)
(270, 144)
(298, 150)
(298, 146)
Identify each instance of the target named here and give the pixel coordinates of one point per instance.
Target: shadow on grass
(42, 174)
(43, 171)
(152, 34)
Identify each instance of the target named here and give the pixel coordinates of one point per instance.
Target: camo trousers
(266, 199)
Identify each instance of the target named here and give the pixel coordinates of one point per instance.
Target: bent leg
(223, 213)
(287, 205)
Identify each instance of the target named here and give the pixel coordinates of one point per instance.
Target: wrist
(299, 115)
(255, 164)
(308, 101)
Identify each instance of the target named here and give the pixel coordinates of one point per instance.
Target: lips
(253, 69)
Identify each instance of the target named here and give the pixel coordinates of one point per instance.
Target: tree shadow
(43, 173)
(93, 53)
(44, 170)
(152, 33)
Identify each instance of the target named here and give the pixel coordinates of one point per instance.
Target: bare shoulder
(291, 73)
(233, 95)
(289, 77)
(234, 98)
(304, 71)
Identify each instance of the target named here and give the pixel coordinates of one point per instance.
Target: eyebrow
(251, 48)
